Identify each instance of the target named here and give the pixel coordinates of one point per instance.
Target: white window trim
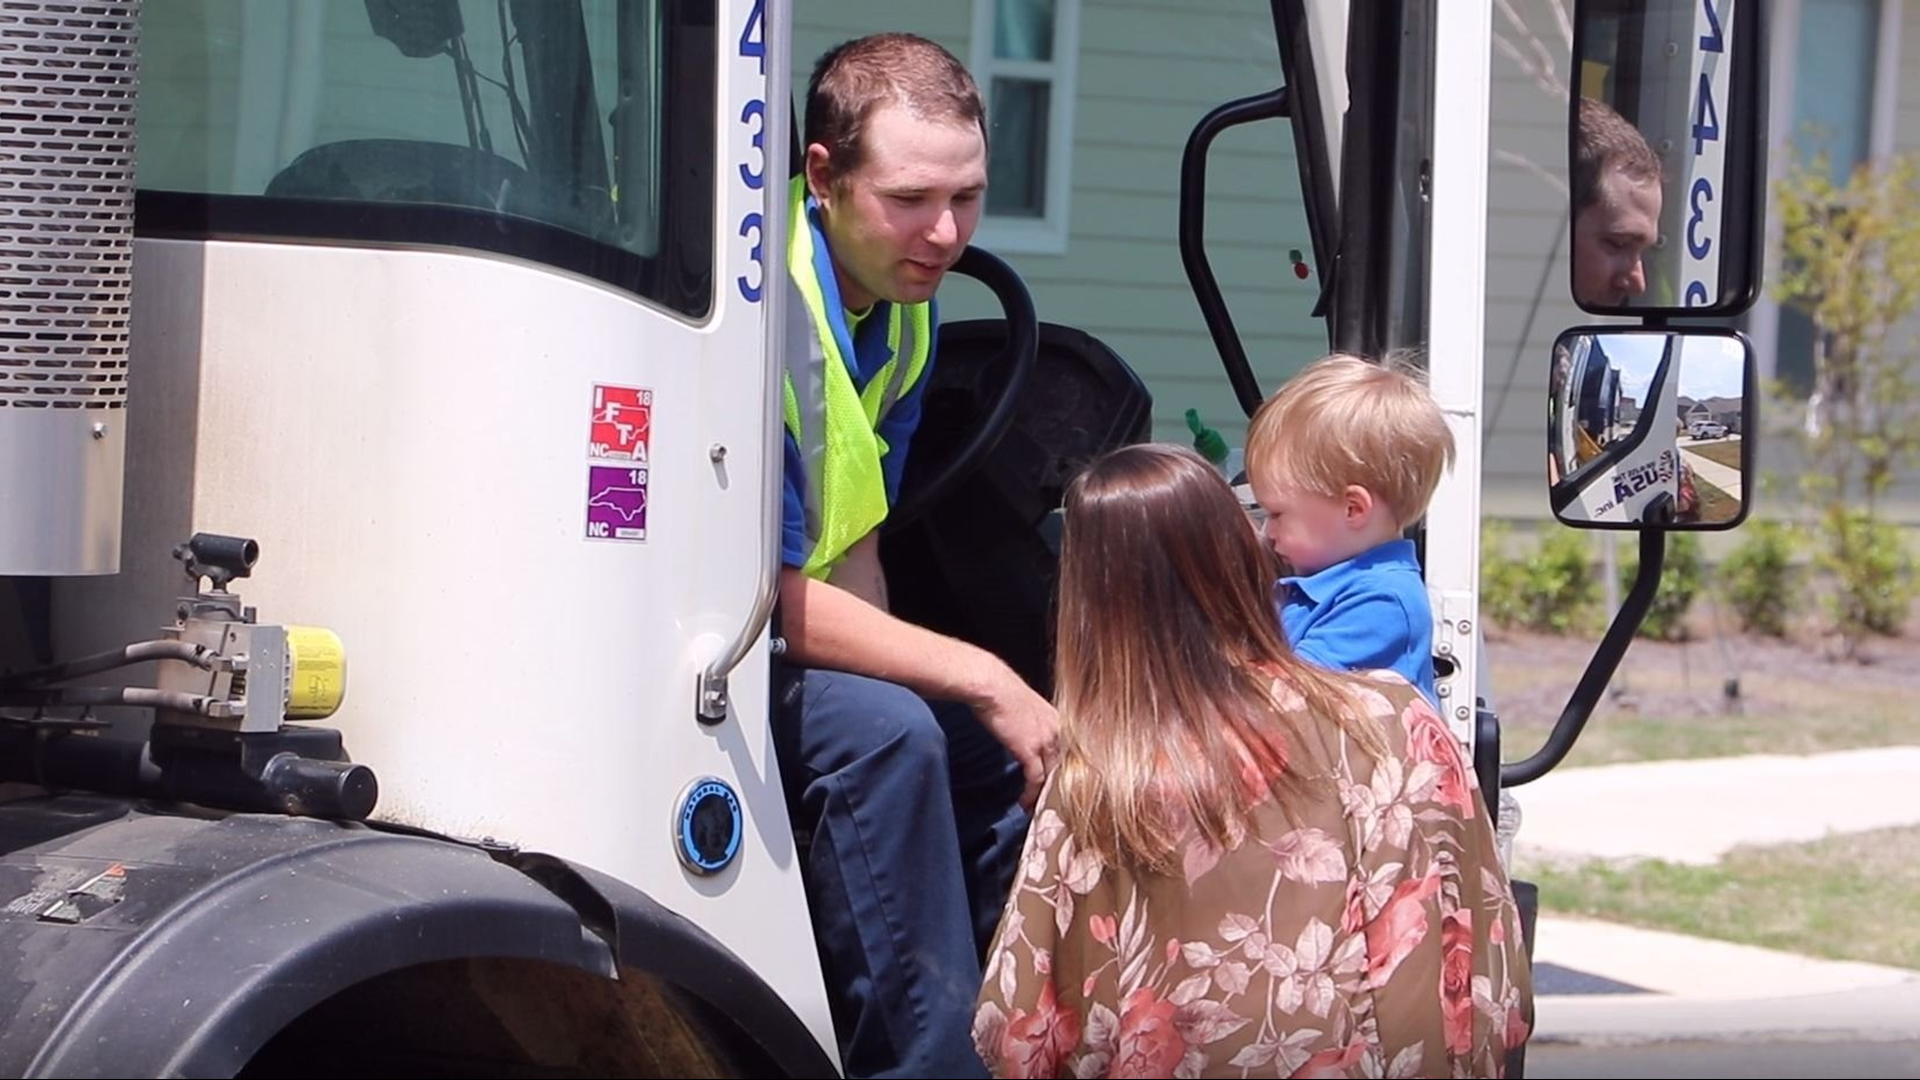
(1046, 235)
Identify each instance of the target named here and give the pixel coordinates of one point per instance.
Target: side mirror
(1666, 151)
(1650, 428)
(420, 28)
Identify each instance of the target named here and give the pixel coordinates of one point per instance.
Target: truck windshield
(534, 128)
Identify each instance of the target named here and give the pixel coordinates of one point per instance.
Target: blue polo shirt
(864, 345)
(1368, 612)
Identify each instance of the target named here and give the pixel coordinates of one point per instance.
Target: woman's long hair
(1169, 658)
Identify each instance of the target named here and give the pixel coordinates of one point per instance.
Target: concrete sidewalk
(1680, 987)
(1725, 478)
(1868, 1014)
(1604, 983)
(1697, 811)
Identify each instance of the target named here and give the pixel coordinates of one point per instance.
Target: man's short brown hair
(1604, 141)
(856, 77)
(1346, 420)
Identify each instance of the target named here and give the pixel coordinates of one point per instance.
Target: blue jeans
(910, 815)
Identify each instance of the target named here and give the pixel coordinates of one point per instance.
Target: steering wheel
(1022, 349)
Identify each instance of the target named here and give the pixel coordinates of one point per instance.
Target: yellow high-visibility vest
(837, 426)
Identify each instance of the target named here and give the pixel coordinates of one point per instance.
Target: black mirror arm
(1600, 669)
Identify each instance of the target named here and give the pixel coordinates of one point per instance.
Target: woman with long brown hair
(1243, 865)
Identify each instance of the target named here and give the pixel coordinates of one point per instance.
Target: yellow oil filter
(316, 672)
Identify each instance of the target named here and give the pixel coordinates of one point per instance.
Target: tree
(1850, 260)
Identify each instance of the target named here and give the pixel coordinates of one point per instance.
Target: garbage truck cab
(390, 440)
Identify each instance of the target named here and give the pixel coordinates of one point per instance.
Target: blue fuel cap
(709, 826)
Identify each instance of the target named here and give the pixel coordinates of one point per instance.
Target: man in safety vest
(908, 755)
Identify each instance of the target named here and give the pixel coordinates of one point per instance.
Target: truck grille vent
(68, 76)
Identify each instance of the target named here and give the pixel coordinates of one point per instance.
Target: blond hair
(1346, 420)
(1171, 667)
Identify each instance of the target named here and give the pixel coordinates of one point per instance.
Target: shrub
(1872, 572)
(1553, 589)
(1680, 580)
(1759, 580)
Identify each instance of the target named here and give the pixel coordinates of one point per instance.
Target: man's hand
(828, 626)
(1027, 725)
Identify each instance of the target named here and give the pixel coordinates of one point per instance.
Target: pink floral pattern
(1366, 928)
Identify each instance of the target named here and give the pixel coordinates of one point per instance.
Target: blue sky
(1709, 366)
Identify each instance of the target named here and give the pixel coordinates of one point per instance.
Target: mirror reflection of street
(1709, 472)
(1646, 427)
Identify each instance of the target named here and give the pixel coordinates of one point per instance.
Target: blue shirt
(866, 352)
(1368, 612)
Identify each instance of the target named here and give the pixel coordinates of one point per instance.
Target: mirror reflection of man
(1616, 201)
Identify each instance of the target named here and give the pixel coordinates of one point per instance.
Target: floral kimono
(1368, 930)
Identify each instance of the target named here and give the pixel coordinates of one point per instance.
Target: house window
(1024, 57)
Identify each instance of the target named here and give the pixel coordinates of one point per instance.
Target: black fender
(647, 937)
(186, 944)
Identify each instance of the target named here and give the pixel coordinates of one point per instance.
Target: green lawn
(1607, 740)
(1715, 504)
(1726, 452)
(1663, 717)
(1853, 897)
